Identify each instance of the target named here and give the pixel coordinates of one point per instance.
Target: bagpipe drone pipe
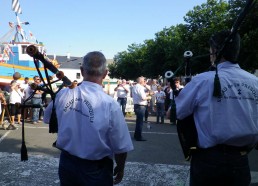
(46, 87)
(186, 128)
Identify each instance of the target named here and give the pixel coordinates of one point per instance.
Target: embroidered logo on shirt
(239, 91)
(77, 107)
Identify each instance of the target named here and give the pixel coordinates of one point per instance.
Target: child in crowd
(160, 104)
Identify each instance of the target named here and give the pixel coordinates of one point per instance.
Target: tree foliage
(165, 52)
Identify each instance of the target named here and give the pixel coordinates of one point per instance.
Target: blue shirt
(160, 96)
(231, 119)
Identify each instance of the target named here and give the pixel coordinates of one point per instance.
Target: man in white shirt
(91, 129)
(25, 84)
(226, 120)
(122, 89)
(154, 86)
(140, 103)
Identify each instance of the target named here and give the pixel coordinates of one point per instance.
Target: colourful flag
(11, 24)
(19, 28)
(16, 7)
(6, 52)
(13, 40)
(10, 50)
(31, 35)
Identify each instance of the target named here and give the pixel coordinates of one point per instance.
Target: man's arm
(120, 165)
(116, 88)
(126, 89)
(47, 113)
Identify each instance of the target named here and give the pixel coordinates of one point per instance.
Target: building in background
(71, 68)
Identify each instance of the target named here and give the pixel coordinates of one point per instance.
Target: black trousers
(74, 171)
(220, 166)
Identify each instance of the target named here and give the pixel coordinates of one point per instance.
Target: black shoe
(140, 139)
(54, 144)
(11, 127)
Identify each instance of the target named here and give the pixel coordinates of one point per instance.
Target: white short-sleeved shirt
(154, 87)
(15, 96)
(121, 92)
(231, 119)
(24, 86)
(138, 93)
(91, 124)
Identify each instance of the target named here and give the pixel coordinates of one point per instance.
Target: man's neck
(97, 80)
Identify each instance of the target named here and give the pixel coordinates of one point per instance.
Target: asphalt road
(156, 162)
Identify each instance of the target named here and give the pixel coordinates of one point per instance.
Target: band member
(176, 87)
(227, 124)
(91, 129)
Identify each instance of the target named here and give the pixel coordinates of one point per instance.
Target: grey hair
(139, 79)
(94, 63)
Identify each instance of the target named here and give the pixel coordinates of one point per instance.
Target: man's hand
(119, 174)
(120, 165)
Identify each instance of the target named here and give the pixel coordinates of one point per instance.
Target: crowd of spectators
(18, 93)
(15, 94)
(160, 93)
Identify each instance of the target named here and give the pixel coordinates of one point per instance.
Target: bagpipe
(46, 87)
(186, 128)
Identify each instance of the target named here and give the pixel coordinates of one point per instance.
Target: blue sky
(80, 26)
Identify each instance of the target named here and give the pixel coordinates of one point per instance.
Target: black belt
(140, 105)
(229, 149)
(103, 160)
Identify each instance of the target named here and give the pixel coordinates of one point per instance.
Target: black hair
(176, 79)
(231, 49)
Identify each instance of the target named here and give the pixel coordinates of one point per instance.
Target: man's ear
(81, 70)
(105, 74)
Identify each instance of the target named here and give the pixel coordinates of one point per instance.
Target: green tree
(201, 23)
(165, 52)
(249, 33)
